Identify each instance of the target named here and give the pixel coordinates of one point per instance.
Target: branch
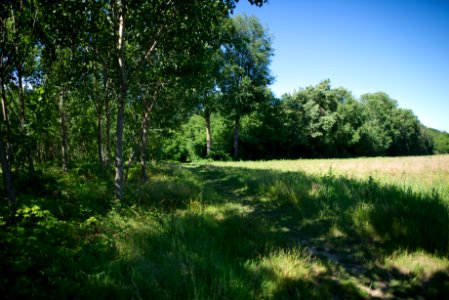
(150, 108)
(152, 43)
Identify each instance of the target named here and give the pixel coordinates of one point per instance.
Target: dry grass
(418, 172)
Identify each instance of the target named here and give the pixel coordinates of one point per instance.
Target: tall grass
(267, 230)
(418, 172)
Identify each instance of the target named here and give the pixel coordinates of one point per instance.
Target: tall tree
(6, 171)
(246, 72)
(207, 91)
(130, 32)
(172, 23)
(17, 72)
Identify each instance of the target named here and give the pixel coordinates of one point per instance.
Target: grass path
(346, 266)
(231, 231)
(358, 261)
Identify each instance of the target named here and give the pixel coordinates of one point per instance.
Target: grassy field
(418, 172)
(349, 229)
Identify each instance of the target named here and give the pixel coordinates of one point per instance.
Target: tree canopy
(137, 80)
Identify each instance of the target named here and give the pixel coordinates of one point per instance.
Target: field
(349, 228)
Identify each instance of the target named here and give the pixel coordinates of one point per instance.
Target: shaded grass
(371, 220)
(208, 232)
(322, 205)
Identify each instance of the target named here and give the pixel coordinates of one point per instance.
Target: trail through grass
(233, 231)
(363, 226)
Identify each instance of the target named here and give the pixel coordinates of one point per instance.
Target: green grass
(245, 230)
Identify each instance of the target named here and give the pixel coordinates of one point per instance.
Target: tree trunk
(108, 119)
(144, 133)
(236, 136)
(30, 161)
(128, 165)
(100, 139)
(99, 109)
(108, 133)
(5, 118)
(119, 178)
(143, 146)
(6, 173)
(64, 132)
(21, 95)
(26, 139)
(208, 132)
(2, 79)
(4, 110)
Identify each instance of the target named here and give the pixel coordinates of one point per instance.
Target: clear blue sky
(393, 46)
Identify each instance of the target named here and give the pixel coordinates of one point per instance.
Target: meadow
(347, 228)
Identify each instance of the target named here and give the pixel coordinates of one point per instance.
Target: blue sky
(397, 47)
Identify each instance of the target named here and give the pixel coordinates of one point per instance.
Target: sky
(400, 47)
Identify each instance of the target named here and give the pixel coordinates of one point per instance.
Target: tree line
(318, 121)
(123, 81)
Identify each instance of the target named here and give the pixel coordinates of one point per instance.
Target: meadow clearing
(345, 229)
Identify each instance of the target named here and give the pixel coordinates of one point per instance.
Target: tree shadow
(218, 254)
(57, 218)
(215, 232)
(390, 216)
(354, 223)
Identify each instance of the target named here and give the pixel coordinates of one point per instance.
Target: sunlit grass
(420, 172)
(247, 230)
(418, 263)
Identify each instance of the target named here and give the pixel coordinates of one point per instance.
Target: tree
(6, 171)
(207, 93)
(21, 33)
(173, 23)
(72, 56)
(246, 71)
(351, 118)
(17, 71)
(407, 135)
(440, 140)
(264, 134)
(313, 113)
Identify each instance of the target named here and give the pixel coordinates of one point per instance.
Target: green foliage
(263, 135)
(201, 231)
(440, 140)
(321, 121)
(318, 121)
(246, 70)
(188, 143)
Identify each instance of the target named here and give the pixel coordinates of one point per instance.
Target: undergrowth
(214, 232)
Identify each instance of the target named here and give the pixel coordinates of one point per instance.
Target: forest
(158, 80)
(101, 98)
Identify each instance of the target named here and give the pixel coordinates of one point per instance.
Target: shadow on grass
(53, 231)
(215, 253)
(339, 207)
(209, 232)
(353, 223)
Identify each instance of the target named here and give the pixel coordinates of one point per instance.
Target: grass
(355, 228)
(419, 172)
